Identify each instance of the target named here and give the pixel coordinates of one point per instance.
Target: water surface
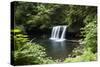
(57, 50)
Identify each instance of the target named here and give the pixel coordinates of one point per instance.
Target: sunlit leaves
(26, 52)
(31, 54)
(16, 30)
(86, 56)
(90, 34)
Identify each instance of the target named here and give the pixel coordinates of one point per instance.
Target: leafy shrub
(90, 35)
(28, 53)
(86, 56)
(31, 54)
(77, 51)
(19, 38)
(88, 49)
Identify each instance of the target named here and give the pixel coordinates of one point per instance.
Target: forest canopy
(46, 15)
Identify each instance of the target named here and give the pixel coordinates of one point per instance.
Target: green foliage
(28, 53)
(44, 16)
(19, 38)
(90, 35)
(77, 51)
(31, 54)
(88, 49)
(86, 56)
(33, 14)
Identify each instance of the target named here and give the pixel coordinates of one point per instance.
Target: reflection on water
(58, 50)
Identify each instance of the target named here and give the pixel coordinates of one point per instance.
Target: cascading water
(58, 33)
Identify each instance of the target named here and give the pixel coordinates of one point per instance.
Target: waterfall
(58, 33)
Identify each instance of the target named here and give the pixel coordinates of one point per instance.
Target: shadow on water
(58, 50)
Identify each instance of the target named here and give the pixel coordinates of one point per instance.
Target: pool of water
(57, 50)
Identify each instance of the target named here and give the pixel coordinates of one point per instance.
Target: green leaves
(31, 54)
(26, 53)
(86, 56)
(16, 30)
(88, 49)
(90, 34)
(40, 15)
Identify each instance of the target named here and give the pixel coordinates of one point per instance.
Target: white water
(58, 33)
